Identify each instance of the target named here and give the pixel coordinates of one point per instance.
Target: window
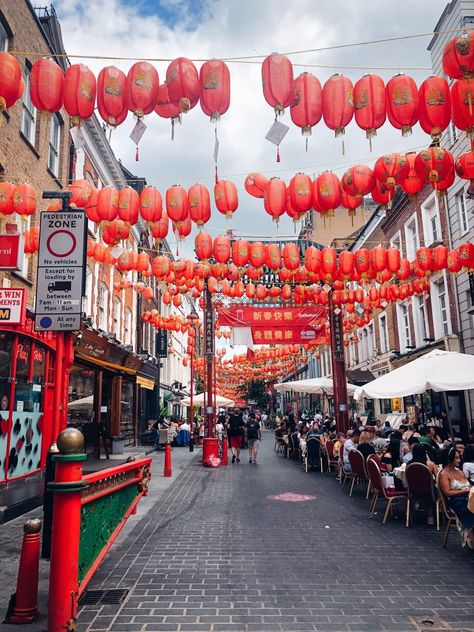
(28, 119)
(26, 261)
(421, 320)
(54, 144)
(463, 221)
(103, 300)
(403, 326)
(383, 333)
(128, 326)
(396, 242)
(3, 38)
(87, 304)
(370, 340)
(411, 238)
(431, 221)
(441, 314)
(117, 317)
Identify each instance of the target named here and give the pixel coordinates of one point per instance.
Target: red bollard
(167, 470)
(225, 454)
(25, 600)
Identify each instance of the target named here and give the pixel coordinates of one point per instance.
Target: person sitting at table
(338, 444)
(350, 443)
(410, 432)
(419, 456)
(365, 446)
(281, 431)
(455, 487)
(391, 456)
(313, 430)
(428, 437)
(468, 463)
(412, 441)
(379, 442)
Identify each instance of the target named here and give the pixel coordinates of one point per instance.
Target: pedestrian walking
(253, 431)
(235, 430)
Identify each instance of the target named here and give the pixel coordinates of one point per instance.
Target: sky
(203, 29)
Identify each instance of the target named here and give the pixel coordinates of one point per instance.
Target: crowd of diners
(450, 460)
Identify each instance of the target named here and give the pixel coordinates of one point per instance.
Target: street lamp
(193, 320)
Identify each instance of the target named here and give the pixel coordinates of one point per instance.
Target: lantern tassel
(278, 154)
(137, 157)
(216, 175)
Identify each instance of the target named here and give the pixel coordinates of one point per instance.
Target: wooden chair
(358, 469)
(332, 461)
(293, 446)
(421, 487)
(379, 490)
(448, 514)
(312, 456)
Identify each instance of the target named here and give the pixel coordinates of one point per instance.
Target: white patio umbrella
(198, 400)
(316, 386)
(437, 370)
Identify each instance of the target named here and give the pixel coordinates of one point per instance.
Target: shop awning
(198, 400)
(145, 382)
(316, 386)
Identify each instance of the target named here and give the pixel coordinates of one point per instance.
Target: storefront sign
(397, 404)
(208, 333)
(145, 382)
(12, 306)
(11, 252)
(162, 343)
(61, 268)
(338, 334)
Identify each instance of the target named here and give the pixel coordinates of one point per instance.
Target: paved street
(215, 553)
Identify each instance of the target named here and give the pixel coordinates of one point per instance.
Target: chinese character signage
(161, 343)
(338, 335)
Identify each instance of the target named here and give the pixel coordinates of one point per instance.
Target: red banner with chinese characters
(277, 325)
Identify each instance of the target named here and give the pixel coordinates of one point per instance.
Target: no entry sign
(61, 267)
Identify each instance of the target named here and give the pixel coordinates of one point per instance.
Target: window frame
(403, 321)
(28, 109)
(117, 318)
(103, 306)
(442, 326)
(4, 35)
(383, 334)
(421, 320)
(462, 212)
(430, 211)
(396, 242)
(52, 149)
(412, 221)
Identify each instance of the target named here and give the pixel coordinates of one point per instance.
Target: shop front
(148, 381)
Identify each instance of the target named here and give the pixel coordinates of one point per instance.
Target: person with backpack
(253, 432)
(235, 431)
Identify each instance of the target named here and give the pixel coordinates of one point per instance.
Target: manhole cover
(290, 497)
(94, 597)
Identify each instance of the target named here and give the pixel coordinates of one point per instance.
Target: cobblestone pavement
(215, 553)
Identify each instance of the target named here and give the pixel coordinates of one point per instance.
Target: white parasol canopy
(198, 400)
(437, 370)
(317, 386)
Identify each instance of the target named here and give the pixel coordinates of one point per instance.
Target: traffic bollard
(225, 454)
(24, 603)
(167, 469)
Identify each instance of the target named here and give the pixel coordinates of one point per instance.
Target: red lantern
(273, 256)
(183, 228)
(6, 198)
(143, 262)
(165, 108)
(291, 256)
(240, 252)
(466, 254)
(91, 207)
(277, 82)
(46, 85)
(350, 202)
(128, 205)
(454, 261)
(435, 106)
(327, 192)
(338, 103)
(261, 292)
(378, 258)
(300, 193)
(424, 259)
(462, 98)
(11, 81)
(312, 259)
(391, 169)
(214, 77)
(369, 104)
(151, 205)
(440, 257)
(107, 204)
(458, 56)
(433, 164)
(402, 103)
(346, 263)
(358, 181)
(111, 101)
(222, 249)
(274, 199)
(465, 168)
(405, 270)
(199, 204)
(412, 184)
(177, 205)
(257, 254)
(307, 108)
(226, 197)
(381, 194)
(393, 260)
(447, 181)
(114, 231)
(79, 92)
(329, 262)
(142, 88)
(255, 184)
(183, 84)
(24, 199)
(362, 261)
(160, 228)
(82, 192)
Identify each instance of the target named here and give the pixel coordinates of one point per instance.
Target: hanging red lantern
(391, 169)
(433, 164)
(261, 292)
(369, 104)
(199, 204)
(273, 256)
(160, 228)
(111, 101)
(222, 249)
(79, 92)
(240, 252)
(91, 207)
(458, 56)
(274, 200)
(300, 193)
(327, 192)
(11, 81)
(107, 204)
(226, 197)
(177, 205)
(183, 228)
(128, 205)
(446, 182)
(286, 292)
(312, 259)
(46, 85)
(257, 254)
(115, 231)
(362, 261)
(160, 266)
(358, 181)
(142, 88)
(143, 262)
(466, 255)
(165, 108)
(329, 263)
(338, 103)
(434, 106)
(183, 84)
(277, 82)
(393, 260)
(462, 99)
(378, 259)
(214, 78)
(440, 257)
(412, 183)
(350, 202)
(255, 184)
(24, 199)
(402, 103)
(291, 256)
(454, 261)
(346, 261)
(82, 192)
(465, 168)
(307, 108)
(405, 270)
(6, 198)
(151, 205)
(381, 194)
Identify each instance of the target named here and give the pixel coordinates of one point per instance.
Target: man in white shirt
(350, 444)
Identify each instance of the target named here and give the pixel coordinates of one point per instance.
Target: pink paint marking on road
(290, 497)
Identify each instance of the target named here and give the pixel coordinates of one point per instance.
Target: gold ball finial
(32, 526)
(70, 441)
